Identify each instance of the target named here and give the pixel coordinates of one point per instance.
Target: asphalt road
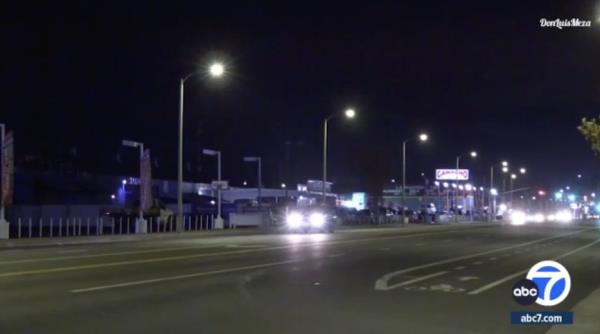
(433, 279)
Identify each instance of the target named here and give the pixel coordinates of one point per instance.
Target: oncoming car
(308, 221)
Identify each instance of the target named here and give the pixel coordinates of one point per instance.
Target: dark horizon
(80, 78)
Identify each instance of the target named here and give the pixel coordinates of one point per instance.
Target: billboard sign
(452, 174)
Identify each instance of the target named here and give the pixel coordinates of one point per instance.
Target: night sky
(78, 78)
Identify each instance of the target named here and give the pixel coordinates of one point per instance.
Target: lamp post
(219, 220)
(350, 114)
(215, 70)
(473, 155)
(2, 133)
(492, 203)
(141, 224)
(258, 160)
(423, 138)
(513, 177)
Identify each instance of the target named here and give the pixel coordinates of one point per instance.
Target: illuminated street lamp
(423, 137)
(522, 170)
(349, 114)
(215, 70)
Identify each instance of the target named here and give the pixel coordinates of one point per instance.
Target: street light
(2, 218)
(219, 220)
(422, 138)
(141, 224)
(215, 70)
(522, 170)
(504, 163)
(349, 114)
(258, 160)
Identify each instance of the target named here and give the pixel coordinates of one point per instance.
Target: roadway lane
(429, 280)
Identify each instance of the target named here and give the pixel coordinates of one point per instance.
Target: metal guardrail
(85, 226)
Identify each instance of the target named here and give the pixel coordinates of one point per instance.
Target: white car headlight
(564, 216)
(317, 219)
(518, 217)
(294, 219)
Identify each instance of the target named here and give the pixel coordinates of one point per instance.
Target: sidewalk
(585, 317)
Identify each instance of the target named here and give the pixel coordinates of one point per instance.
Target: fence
(97, 226)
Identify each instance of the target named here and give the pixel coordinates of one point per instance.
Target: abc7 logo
(525, 292)
(548, 283)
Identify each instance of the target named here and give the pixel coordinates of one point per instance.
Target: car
(307, 220)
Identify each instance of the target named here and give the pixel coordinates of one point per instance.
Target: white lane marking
(72, 251)
(511, 276)
(385, 249)
(467, 278)
(493, 258)
(146, 251)
(477, 263)
(160, 250)
(244, 246)
(179, 277)
(385, 287)
(459, 268)
(336, 255)
(383, 280)
(196, 256)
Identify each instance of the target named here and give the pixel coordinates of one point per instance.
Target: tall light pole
(141, 228)
(219, 220)
(258, 160)
(513, 177)
(423, 137)
(215, 70)
(350, 114)
(473, 155)
(491, 203)
(2, 133)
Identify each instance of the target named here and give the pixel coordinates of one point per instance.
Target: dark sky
(476, 75)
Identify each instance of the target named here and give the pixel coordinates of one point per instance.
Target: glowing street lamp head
(350, 113)
(522, 170)
(505, 163)
(505, 169)
(473, 154)
(423, 137)
(216, 70)
(283, 185)
(513, 176)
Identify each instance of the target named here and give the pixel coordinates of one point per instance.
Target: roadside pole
(4, 226)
